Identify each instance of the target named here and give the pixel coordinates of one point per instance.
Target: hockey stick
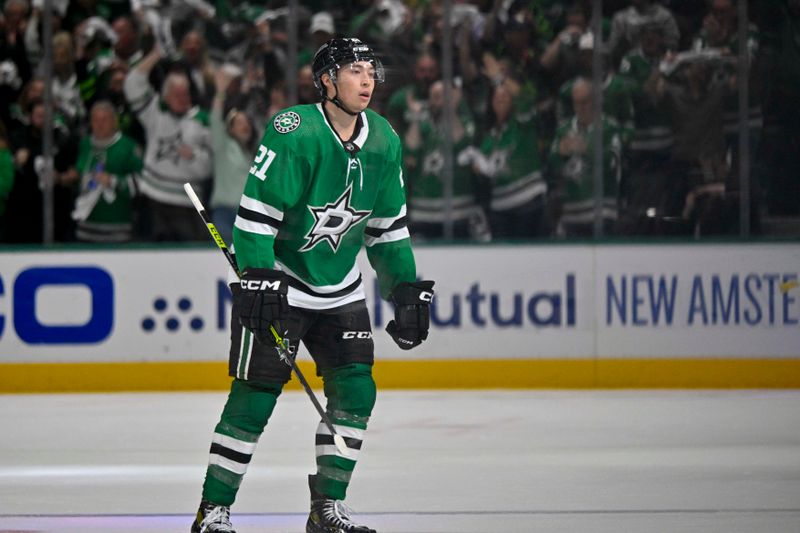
(280, 344)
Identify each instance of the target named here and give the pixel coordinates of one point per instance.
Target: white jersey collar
(361, 135)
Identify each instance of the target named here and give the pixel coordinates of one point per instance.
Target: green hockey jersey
(574, 173)
(652, 131)
(311, 201)
(105, 214)
(427, 199)
(617, 103)
(511, 160)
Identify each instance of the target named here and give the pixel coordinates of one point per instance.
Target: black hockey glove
(262, 303)
(412, 302)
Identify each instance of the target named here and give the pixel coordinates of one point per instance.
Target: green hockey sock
(350, 391)
(243, 419)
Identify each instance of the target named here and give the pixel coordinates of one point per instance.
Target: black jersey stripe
(260, 218)
(401, 222)
(354, 444)
(308, 290)
(233, 455)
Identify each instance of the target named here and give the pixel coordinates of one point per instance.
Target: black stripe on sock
(352, 443)
(233, 455)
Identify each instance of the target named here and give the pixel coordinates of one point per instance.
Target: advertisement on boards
(519, 302)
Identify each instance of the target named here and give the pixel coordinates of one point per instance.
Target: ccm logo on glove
(412, 302)
(263, 304)
(260, 285)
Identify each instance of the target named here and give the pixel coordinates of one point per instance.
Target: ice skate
(212, 518)
(330, 516)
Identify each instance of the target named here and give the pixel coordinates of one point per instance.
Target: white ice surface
(460, 462)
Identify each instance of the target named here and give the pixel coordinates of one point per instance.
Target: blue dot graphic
(173, 324)
(160, 304)
(196, 323)
(148, 324)
(184, 304)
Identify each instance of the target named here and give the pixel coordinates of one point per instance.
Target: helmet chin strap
(338, 103)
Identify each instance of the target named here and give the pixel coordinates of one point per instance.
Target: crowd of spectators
(149, 94)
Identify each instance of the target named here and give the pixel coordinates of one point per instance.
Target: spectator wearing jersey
(178, 150)
(720, 34)
(423, 143)
(233, 139)
(108, 164)
(651, 195)
(571, 165)
(509, 161)
(121, 54)
(389, 25)
(695, 94)
(127, 48)
(24, 218)
(34, 44)
(260, 90)
(617, 104)
(93, 38)
(626, 26)
(425, 72)
(66, 89)
(562, 55)
(18, 111)
(15, 70)
(516, 42)
(192, 62)
(114, 92)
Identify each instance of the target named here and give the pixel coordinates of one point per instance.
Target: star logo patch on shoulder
(286, 122)
(332, 222)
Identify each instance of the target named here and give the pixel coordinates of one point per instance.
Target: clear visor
(372, 67)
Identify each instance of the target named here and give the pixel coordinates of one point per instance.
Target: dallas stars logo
(286, 122)
(168, 148)
(332, 222)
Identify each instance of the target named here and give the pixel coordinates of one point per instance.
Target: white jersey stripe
(243, 364)
(253, 227)
(389, 236)
(383, 223)
(307, 301)
(348, 280)
(260, 207)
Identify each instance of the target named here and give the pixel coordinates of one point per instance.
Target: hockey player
(326, 179)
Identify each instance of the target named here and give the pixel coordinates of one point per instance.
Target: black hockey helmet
(339, 52)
